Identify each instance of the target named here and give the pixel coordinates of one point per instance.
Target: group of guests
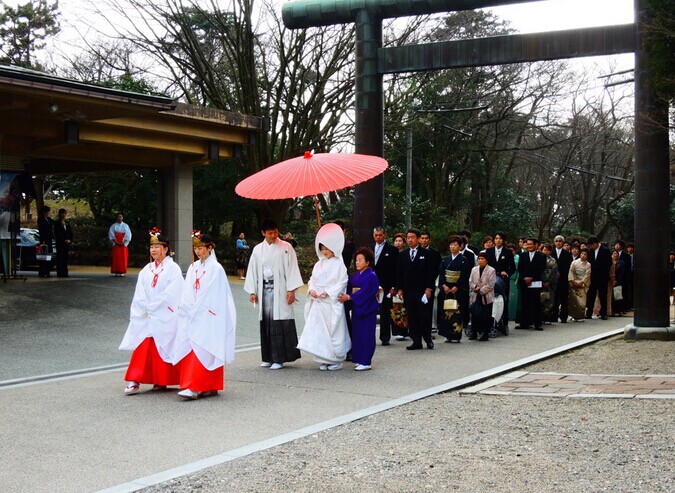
(53, 234)
(181, 331)
(535, 283)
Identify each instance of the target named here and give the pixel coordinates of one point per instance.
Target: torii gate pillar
(369, 138)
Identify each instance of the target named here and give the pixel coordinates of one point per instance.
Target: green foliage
(624, 212)
(133, 193)
(215, 202)
(511, 214)
(661, 46)
(24, 30)
(127, 82)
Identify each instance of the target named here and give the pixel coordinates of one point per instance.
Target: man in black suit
(601, 262)
(425, 242)
(562, 290)
(501, 259)
(63, 235)
(415, 282)
(385, 268)
(531, 266)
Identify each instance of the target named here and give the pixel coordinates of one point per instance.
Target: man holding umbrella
(271, 280)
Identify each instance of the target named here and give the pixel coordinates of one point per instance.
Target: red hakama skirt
(120, 256)
(147, 366)
(195, 377)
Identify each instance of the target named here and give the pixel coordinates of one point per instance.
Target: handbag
(617, 292)
(450, 304)
(42, 253)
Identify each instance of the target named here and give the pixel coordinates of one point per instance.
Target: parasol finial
(308, 155)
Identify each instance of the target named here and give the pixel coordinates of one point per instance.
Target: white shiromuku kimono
(325, 334)
(207, 316)
(281, 262)
(154, 309)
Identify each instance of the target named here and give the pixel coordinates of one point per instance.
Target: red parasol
(310, 174)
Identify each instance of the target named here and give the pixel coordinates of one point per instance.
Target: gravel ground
(480, 443)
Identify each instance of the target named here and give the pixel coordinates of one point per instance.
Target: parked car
(27, 242)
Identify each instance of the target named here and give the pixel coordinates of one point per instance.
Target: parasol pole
(316, 207)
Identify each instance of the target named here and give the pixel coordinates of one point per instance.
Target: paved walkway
(578, 385)
(78, 432)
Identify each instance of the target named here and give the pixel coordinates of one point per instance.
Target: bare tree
(238, 56)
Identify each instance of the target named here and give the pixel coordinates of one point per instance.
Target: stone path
(578, 385)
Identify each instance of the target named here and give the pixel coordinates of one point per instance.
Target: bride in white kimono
(325, 334)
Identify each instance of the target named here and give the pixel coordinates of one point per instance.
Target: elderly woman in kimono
(325, 334)
(362, 297)
(549, 282)
(272, 278)
(453, 283)
(206, 324)
(579, 279)
(482, 285)
(153, 320)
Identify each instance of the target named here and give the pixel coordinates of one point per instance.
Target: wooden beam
(512, 48)
(176, 126)
(95, 133)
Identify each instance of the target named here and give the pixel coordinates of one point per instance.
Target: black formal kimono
(531, 296)
(504, 263)
(454, 273)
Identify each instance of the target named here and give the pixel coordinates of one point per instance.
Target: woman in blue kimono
(453, 281)
(362, 292)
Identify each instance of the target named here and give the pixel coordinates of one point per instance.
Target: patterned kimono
(548, 294)
(451, 273)
(580, 272)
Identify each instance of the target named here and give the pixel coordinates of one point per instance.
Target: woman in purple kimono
(362, 292)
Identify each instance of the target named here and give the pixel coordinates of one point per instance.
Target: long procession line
(85, 372)
(230, 455)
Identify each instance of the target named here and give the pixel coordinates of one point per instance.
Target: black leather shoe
(603, 318)
(538, 328)
(486, 337)
(430, 345)
(521, 327)
(385, 343)
(412, 347)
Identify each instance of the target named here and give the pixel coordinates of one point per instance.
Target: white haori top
(277, 262)
(120, 228)
(207, 315)
(154, 308)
